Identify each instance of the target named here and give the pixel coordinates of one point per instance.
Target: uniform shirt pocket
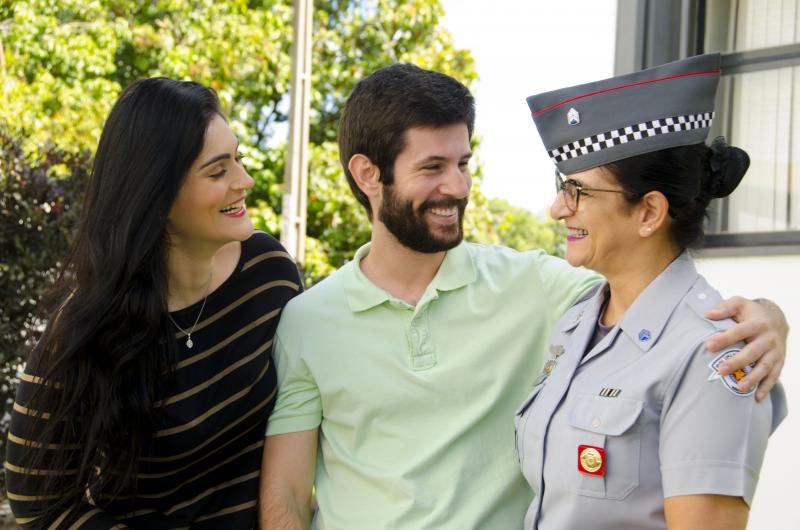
(609, 423)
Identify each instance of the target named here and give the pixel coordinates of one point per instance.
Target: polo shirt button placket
(422, 351)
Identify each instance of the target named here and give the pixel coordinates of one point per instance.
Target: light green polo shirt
(416, 404)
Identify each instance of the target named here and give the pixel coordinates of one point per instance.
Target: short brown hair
(383, 106)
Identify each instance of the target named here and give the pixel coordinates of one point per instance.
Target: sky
(521, 48)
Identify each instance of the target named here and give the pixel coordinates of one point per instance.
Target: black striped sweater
(202, 469)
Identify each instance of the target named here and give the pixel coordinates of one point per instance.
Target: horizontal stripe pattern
(227, 340)
(202, 386)
(38, 472)
(205, 471)
(203, 464)
(38, 380)
(37, 445)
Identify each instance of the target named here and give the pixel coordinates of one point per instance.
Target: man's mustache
(461, 204)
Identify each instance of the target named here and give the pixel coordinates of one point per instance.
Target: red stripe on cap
(551, 107)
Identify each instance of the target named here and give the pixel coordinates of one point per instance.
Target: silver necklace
(189, 342)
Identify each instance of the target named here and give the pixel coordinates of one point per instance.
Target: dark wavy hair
(384, 105)
(689, 176)
(108, 347)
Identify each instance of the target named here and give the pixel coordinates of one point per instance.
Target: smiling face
(210, 206)
(602, 233)
(424, 206)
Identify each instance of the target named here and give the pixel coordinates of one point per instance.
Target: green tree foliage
(518, 228)
(67, 60)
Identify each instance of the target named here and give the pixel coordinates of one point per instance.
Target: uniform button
(702, 296)
(596, 423)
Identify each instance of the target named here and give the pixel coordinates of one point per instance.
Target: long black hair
(689, 176)
(108, 347)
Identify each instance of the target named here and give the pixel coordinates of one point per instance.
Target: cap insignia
(573, 117)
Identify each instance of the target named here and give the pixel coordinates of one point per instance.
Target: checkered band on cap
(597, 123)
(631, 133)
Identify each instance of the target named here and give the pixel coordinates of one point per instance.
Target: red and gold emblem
(591, 460)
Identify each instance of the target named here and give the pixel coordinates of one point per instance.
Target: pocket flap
(603, 415)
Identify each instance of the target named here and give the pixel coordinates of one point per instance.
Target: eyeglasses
(573, 189)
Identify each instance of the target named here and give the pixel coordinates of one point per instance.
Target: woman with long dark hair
(145, 402)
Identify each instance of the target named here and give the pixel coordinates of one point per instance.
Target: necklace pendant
(189, 342)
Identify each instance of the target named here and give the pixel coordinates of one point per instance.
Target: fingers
(763, 327)
(765, 372)
(729, 308)
(761, 349)
(769, 382)
(759, 372)
(742, 332)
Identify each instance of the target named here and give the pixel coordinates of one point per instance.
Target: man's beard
(411, 228)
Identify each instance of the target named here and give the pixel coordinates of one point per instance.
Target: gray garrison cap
(589, 125)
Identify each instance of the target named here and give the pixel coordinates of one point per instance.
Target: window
(758, 102)
(759, 110)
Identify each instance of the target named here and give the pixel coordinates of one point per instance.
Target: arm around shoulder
(564, 284)
(287, 479)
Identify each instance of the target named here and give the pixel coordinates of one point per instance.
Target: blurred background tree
(64, 62)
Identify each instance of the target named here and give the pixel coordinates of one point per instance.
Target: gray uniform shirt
(648, 396)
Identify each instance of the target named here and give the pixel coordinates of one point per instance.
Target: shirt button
(596, 423)
(702, 296)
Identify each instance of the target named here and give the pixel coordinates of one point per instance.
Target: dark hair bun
(727, 166)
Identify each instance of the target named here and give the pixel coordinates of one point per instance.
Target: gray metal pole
(293, 216)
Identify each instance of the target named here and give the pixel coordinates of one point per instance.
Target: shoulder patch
(730, 381)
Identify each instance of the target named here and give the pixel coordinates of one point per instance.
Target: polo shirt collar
(646, 318)
(457, 270)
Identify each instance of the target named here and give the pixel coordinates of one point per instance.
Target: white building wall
(777, 502)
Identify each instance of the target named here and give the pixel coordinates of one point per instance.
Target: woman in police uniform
(631, 425)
